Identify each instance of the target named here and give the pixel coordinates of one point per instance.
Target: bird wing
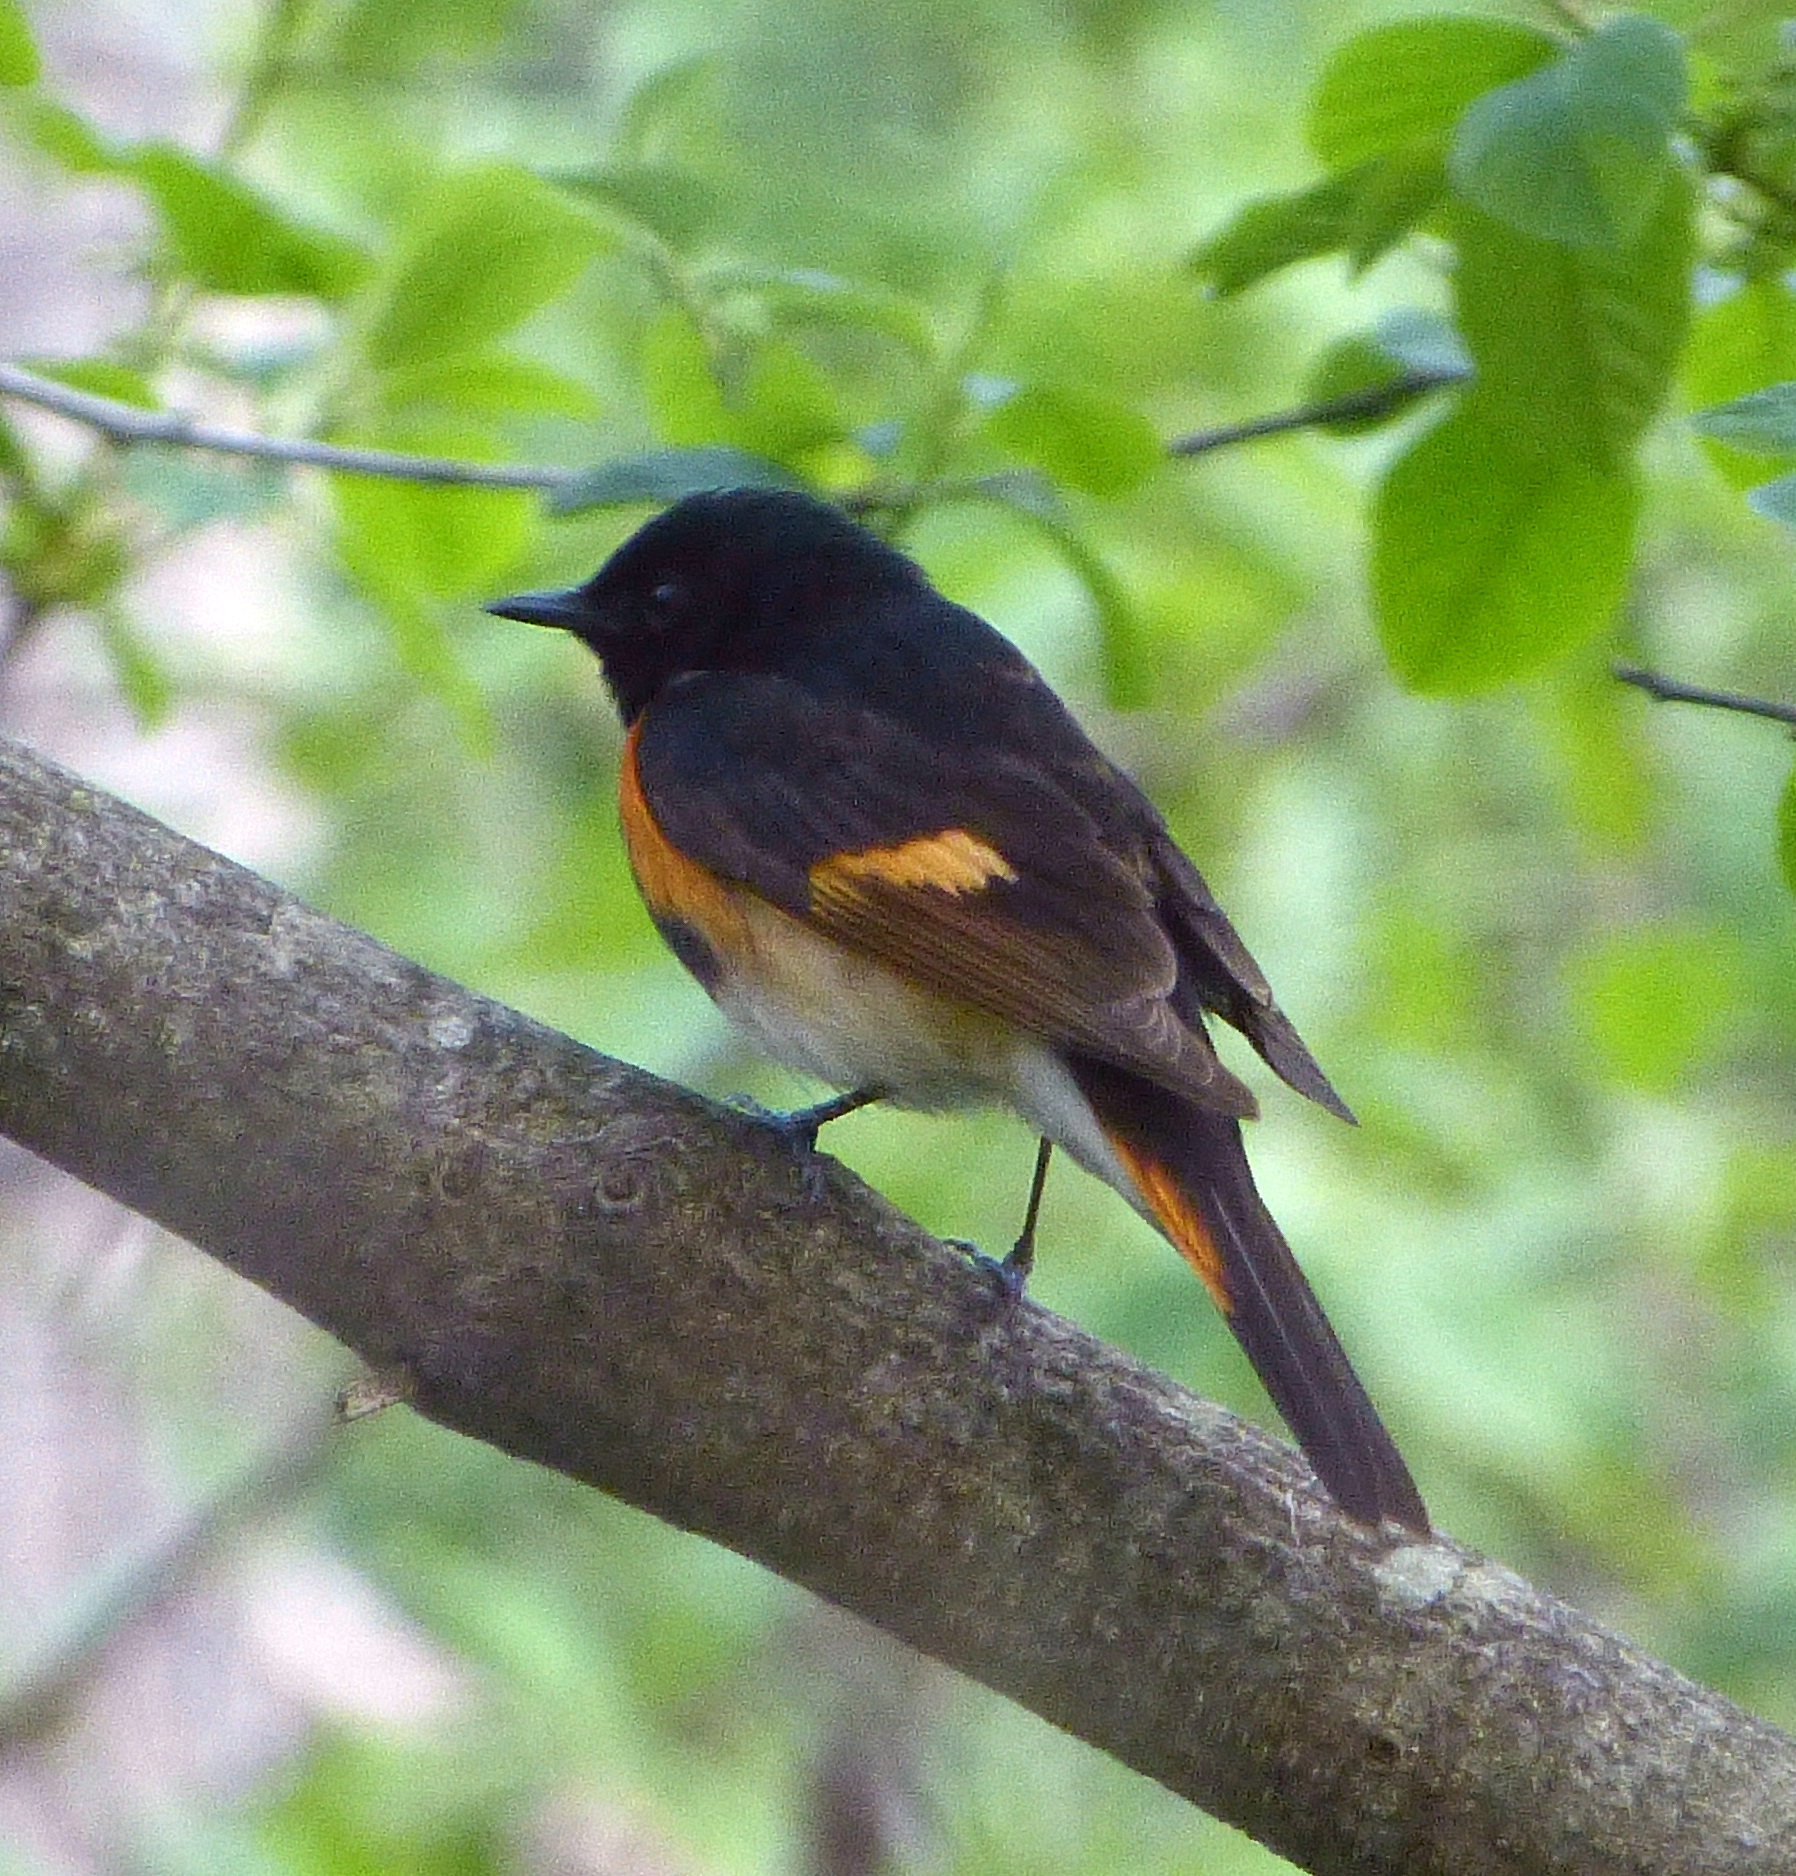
(967, 871)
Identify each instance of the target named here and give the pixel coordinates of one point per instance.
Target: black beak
(561, 610)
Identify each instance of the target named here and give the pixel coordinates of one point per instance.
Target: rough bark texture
(596, 1271)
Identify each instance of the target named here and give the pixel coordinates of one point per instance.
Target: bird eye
(665, 602)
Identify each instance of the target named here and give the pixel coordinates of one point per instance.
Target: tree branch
(607, 1275)
(1664, 689)
(125, 423)
(1364, 406)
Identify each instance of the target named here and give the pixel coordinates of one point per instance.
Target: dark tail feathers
(1190, 1169)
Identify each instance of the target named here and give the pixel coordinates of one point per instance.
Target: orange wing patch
(1177, 1217)
(952, 861)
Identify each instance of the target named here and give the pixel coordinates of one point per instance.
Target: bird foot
(800, 1127)
(1009, 1275)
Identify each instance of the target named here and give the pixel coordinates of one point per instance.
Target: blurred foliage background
(967, 258)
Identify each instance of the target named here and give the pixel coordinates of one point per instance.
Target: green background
(969, 257)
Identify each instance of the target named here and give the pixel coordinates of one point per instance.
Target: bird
(874, 834)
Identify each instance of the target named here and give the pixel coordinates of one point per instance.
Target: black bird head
(737, 580)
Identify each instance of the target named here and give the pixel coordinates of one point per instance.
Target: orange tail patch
(1175, 1214)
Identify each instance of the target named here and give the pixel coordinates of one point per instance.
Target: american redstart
(866, 825)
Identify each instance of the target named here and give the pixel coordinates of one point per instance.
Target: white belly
(854, 1024)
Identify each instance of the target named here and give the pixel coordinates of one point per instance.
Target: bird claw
(1009, 1275)
(799, 1130)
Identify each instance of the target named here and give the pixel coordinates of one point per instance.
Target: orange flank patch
(952, 861)
(1177, 1217)
(671, 885)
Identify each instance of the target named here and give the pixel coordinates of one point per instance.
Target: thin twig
(125, 423)
(1377, 400)
(1671, 690)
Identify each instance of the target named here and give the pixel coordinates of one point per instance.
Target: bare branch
(126, 423)
(607, 1275)
(1375, 401)
(1672, 690)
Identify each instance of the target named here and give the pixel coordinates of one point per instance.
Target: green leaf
(1599, 764)
(1391, 197)
(67, 138)
(226, 237)
(1578, 152)
(1577, 346)
(437, 540)
(1775, 500)
(684, 399)
(783, 405)
(1651, 1003)
(485, 384)
(681, 88)
(1397, 84)
(1744, 342)
(1276, 232)
(372, 46)
(102, 377)
(62, 554)
(410, 545)
(777, 402)
(1422, 340)
(483, 251)
(142, 678)
(1360, 214)
(1354, 367)
(1761, 421)
(807, 297)
(665, 475)
(18, 52)
(1786, 832)
(674, 204)
(1078, 438)
(1490, 560)
(1128, 683)
(424, 649)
